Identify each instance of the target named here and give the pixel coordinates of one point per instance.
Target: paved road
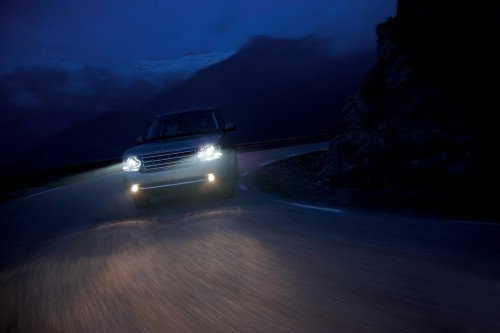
(81, 258)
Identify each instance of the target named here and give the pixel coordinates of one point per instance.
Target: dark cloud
(113, 32)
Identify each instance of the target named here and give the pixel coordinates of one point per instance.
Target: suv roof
(186, 110)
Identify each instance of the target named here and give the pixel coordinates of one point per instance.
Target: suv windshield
(183, 124)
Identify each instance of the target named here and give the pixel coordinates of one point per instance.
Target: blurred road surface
(81, 258)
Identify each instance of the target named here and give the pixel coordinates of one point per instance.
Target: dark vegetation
(299, 179)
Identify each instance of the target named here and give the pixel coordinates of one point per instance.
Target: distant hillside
(37, 102)
(272, 87)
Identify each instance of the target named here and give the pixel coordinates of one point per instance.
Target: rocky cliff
(425, 115)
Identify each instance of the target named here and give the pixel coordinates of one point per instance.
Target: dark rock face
(425, 115)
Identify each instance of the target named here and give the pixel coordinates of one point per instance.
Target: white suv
(183, 149)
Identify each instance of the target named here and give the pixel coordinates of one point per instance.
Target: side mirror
(230, 127)
(140, 139)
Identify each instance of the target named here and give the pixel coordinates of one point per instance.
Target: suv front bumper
(170, 178)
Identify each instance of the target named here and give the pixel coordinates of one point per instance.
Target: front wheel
(141, 200)
(228, 188)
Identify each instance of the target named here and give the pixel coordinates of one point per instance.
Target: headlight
(132, 163)
(209, 152)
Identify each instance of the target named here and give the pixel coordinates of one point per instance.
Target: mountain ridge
(272, 88)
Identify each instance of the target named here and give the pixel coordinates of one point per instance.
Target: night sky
(117, 34)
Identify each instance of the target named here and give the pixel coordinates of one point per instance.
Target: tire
(228, 188)
(236, 169)
(141, 200)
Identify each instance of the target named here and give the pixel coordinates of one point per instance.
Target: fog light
(210, 177)
(134, 188)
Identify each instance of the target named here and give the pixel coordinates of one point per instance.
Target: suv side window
(219, 120)
(154, 130)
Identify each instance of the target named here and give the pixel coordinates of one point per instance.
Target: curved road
(81, 258)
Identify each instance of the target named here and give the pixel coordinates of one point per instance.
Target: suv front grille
(165, 160)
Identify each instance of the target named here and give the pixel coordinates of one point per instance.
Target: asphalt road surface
(81, 258)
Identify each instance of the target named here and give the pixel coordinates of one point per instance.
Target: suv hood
(174, 144)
